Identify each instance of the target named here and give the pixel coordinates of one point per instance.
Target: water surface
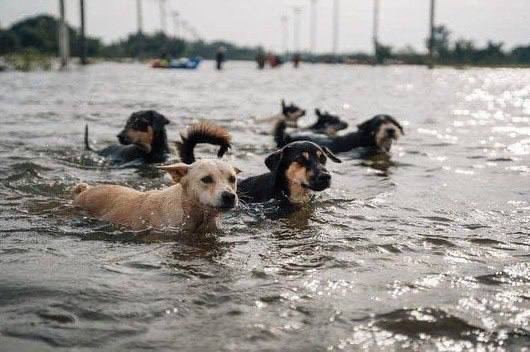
(425, 250)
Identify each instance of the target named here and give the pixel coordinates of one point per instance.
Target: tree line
(39, 34)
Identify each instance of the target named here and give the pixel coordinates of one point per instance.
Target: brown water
(426, 251)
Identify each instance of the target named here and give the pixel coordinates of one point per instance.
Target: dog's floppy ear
(330, 155)
(176, 171)
(273, 160)
(394, 121)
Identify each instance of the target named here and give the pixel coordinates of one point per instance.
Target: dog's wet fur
(377, 134)
(202, 191)
(143, 140)
(295, 171)
(327, 123)
(202, 133)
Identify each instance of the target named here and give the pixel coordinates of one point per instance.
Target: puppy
(143, 139)
(378, 134)
(327, 123)
(202, 191)
(290, 114)
(295, 171)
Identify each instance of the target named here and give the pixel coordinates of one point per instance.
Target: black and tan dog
(290, 114)
(295, 171)
(377, 134)
(143, 140)
(327, 123)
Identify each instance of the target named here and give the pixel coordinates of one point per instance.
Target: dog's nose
(228, 199)
(324, 178)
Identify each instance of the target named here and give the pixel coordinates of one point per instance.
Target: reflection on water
(426, 249)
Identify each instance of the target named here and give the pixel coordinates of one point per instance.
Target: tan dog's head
(212, 183)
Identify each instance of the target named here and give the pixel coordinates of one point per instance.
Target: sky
(257, 22)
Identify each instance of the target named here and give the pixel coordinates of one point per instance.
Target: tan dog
(203, 190)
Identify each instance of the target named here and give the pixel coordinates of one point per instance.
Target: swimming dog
(143, 140)
(295, 171)
(377, 133)
(203, 190)
(290, 114)
(327, 123)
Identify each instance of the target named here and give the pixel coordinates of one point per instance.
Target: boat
(183, 63)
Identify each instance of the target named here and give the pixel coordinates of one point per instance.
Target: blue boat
(183, 63)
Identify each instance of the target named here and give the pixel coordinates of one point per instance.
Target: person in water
(220, 57)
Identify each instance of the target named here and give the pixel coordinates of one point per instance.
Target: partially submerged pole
(375, 29)
(313, 27)
(82, 39)
(431, 37)
(335, 26)
(163, 27)
(139, 19)
(64, 47)
(285, 34)
(297, 10)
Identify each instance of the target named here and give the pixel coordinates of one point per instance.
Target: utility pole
(431, 37)
(176, 24)
(375, 29)
(297, 10)
(163, 27)
(335, 26)
(139, 17)
(64, 42)
(82, 39)
(313, 27)
(285, 34)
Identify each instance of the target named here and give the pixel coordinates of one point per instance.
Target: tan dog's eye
(207, 179)
(232, 179)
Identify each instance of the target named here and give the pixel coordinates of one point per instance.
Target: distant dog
(378, 134)
(143, 139)
(327, 123)
(290, 114)
(203, 190)
(294, 172)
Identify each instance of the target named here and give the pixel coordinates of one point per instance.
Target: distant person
(220, 57)
(274, 60)
(296, 60)
(260, 59)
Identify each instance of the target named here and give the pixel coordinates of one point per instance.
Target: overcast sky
(255, 22)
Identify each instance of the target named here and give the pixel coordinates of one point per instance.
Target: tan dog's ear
(238, 171)
(176, 171)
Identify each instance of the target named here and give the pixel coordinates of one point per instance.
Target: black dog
(378, 133)
(327, 123)
(295, 170)
(143, 140)
(290, 114)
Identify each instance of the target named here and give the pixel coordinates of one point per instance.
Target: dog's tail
(280, 137)
(87, 144)
(203, 132)
(78, 189)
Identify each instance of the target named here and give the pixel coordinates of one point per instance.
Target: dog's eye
(232, 179)
(207, 179)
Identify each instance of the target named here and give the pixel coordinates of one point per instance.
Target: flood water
(426, 250)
